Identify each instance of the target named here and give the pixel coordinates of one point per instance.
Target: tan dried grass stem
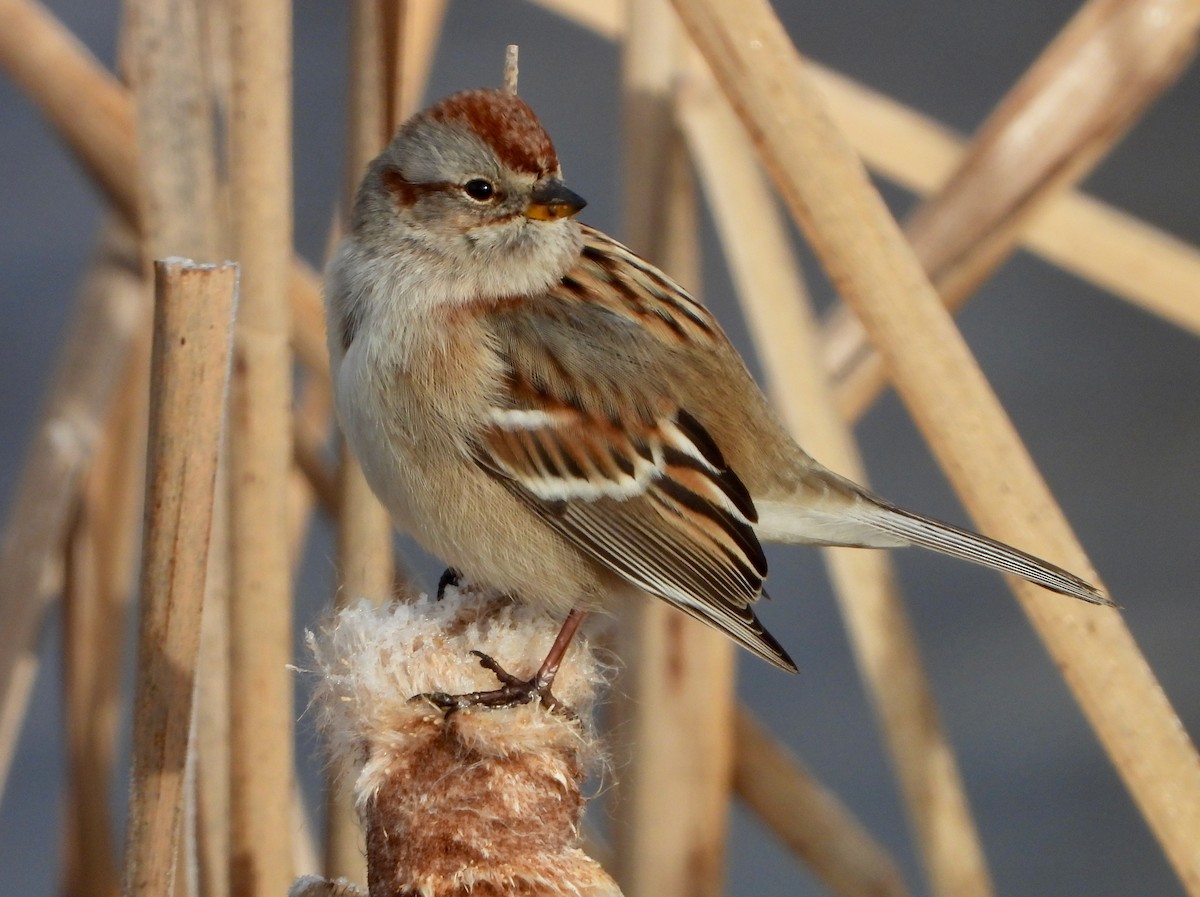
(1111, 61)
(175, 126)
(784, 328)
(607, 18)
(410, 30)
(87, 107)
(676, 704)
(88, 630)
(189, 377)
(365, 565)
(809, 818)
(104, 327)
(367, 120)
(511, 68)
(93, 113)
(212, 712)
(933, 370)
(101, 566)
(261, 452)
(1116, 251)
(179, 199)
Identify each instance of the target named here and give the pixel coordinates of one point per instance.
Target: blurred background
(1104, 395)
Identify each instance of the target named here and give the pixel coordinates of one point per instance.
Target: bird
(555, 417)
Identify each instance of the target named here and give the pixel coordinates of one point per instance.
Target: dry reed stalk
(93, 113)
(364, 530)
(606, 17)
(875, 271)
(90, 869)
(320, 479)
(308, 318)
(312, 482)
(212, 697)
(101, 565)
(366, 126)
(306, 854)
(87, 107)
(410, 34)
(784, 328)
(189, 381)
(1094, 241)
(69, 85)
(512, 70)
(175, 102)
(809, 818)
(210, 821)
(1114, 250)
(176, 131)
(675, 709)
(1103, 70)
(261, 598)
(104, 328)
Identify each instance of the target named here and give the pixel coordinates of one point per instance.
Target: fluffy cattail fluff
(482, 802)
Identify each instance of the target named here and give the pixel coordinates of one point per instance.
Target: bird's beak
(552, 200)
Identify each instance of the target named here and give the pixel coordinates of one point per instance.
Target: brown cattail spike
(477, 801)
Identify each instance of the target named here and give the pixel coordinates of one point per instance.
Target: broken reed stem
(175, 104)
(189, 380)
(104, 327)
(870, 263)
(809, 818)
(511, 70)
(1111, 61)
(675, 713)
(261, 453)
(784, 328)
(94, 115)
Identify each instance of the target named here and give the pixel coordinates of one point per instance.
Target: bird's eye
(480, 189)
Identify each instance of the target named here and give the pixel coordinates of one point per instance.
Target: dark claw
(450, 577)
(512, 692)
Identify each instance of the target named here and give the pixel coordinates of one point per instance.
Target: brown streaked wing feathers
(646, 492)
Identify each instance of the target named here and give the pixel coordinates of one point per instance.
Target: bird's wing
(586, 432)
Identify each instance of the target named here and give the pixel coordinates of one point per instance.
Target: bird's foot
(513, 692)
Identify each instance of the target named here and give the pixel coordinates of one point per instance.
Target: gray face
(445, 179)
(468, 203)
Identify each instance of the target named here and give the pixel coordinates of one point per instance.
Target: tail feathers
(866, 521)
(928, 533)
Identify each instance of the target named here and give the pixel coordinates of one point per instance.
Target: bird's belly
(436, 493)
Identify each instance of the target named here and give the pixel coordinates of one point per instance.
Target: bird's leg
(514, 691)
(450, 577)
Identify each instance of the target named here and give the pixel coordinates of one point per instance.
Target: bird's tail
(872, 522)
(926, 532)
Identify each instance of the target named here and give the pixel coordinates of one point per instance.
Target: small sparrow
(554, 416)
